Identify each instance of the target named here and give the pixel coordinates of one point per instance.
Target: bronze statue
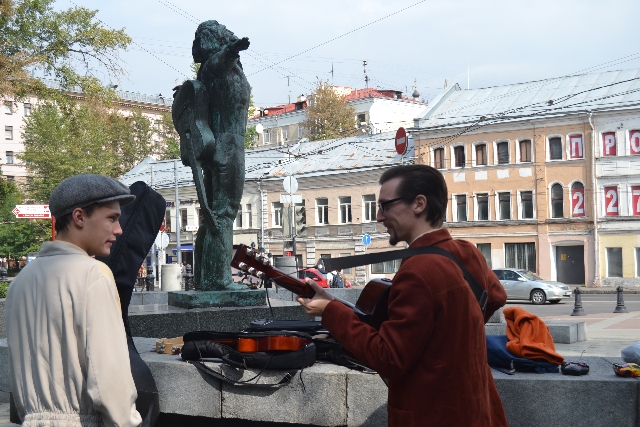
(210, 114)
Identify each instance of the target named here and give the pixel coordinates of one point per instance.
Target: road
(591, 304)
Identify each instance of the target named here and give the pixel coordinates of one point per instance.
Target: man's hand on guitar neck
(315, 306)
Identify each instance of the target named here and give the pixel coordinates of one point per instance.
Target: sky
(473, 43)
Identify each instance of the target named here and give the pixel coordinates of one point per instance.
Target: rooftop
(304, 159)
(550, 97)
(158, 99)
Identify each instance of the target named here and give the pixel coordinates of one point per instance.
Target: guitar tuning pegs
(260, 275)
(243, 266)
(249, 252)
(266, 261)
(252, 271)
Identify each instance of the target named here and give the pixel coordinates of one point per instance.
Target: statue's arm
(223, 62)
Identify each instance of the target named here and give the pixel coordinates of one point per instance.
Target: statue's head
(210, 38)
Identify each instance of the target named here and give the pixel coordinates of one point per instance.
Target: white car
(523, 284)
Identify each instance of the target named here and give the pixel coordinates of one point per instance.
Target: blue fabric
(499, 357)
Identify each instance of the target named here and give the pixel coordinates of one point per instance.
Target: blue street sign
(366, 239)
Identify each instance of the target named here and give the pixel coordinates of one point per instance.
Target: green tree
(85, 138)
(329, 116)
(168, 139)
(18, 236)
(65, 45)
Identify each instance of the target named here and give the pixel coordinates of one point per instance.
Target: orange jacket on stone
(432, 349)
(529, 336)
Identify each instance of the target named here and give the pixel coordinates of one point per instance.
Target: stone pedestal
(171, 277)
(231, 297)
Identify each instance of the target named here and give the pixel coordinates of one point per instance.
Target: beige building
(14, 113)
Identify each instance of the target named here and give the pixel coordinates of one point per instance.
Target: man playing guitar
(432, 348)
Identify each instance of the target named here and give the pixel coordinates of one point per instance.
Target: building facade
(377, 111)
(14, 113)
(534, 181)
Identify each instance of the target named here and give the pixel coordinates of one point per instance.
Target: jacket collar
(432, 238)
(60, 247)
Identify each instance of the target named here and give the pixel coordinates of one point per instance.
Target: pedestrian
(432, 350)
(68, 355)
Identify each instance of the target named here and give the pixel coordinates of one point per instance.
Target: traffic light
(300, 219)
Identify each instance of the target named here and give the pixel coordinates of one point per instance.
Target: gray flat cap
(83, 190)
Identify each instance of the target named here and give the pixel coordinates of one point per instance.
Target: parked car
(315, 275)
(523, 284)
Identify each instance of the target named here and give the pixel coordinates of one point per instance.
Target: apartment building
(520, 163)
(377, 111)
(14, 113)
(337, 186)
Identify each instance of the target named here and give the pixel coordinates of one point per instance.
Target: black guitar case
(140, 222)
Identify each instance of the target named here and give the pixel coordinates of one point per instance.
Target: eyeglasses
(381, 205)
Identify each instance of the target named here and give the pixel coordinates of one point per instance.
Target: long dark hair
(425, 180)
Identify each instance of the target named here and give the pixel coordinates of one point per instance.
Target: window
(249, 213)
(361, 119)
(300, 131)
(637, 262)
(369, 207)
(525, 151)
(7, 107)
(520, 255)
(555, 148)
(156, 124)
(322, 211)
(526, 200)
(167, 220)
(483, 206)
(9, 157)
(485, 248)
(504, 205)
(183, 218)
(266, 136)
(237, 223)
(276, 211)
(503, 152)
(461, 207)
(481, 154)
(557, 201)
(577, 199)
(199, 219)
(387, 267)
(614, 262)
(8, 132)
(611, 201)
(10, 178)
(609, 144)
(285, 134)
(459, 155)
(634, 142)
(576, 147)
(344, 208)
(438, 158)
(27, 109)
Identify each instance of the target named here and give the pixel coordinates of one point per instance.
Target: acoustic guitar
(371, 306)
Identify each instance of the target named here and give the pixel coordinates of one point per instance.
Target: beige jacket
(68, 356)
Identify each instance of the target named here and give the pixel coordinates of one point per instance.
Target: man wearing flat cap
(68, 356)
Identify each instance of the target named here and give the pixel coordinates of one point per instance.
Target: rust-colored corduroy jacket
(432, 349)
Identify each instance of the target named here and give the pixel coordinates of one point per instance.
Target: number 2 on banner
(578, 202)
(635, 200)
(611, 200)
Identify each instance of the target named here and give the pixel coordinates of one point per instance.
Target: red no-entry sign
(401, 141)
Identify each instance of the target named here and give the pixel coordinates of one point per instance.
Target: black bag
(499, 357)
(327, 348)
(140, 222)
(202, 346)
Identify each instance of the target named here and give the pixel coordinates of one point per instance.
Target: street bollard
(577, 308)
(3, 275)
(188, 278)
(151, 279)
(620, 308)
